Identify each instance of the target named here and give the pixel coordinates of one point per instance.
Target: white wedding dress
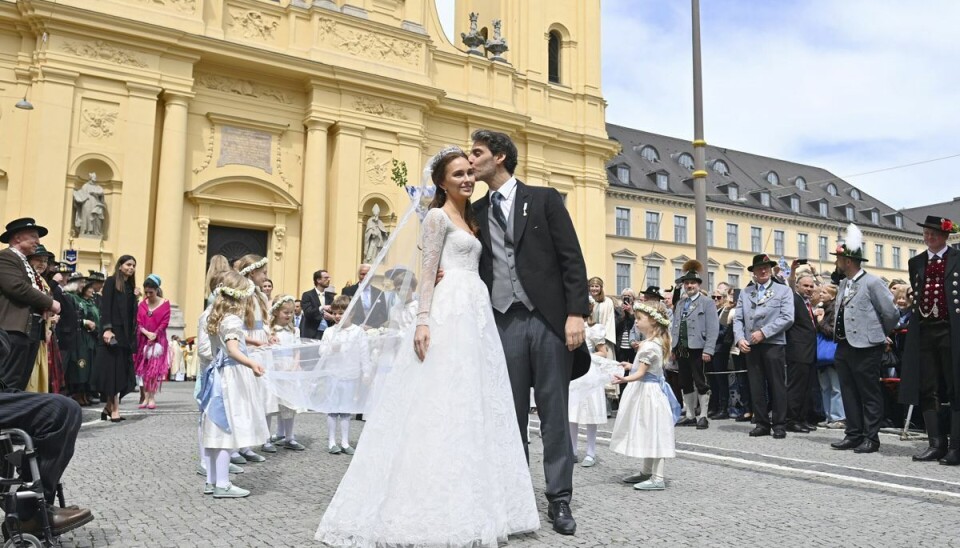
(440, 463)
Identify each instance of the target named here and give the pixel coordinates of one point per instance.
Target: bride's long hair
(437, 174)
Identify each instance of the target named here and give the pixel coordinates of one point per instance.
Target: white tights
(654, 467)
(285, 428)
(218, 466)
(344, 420)
(591, 438)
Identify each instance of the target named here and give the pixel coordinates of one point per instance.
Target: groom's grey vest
(506, 285)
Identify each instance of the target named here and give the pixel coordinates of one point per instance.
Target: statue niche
(89, 209)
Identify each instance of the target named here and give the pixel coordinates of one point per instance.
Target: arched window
(649, 154)
(553, 57)
(855, 194)
(685, 160)
(773, 178)
(801, 183)
(719, 166)
(832, 189)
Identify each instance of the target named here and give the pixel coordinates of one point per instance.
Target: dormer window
(824, 210)
(765, 199)
(720, 167)
(773, 178)
(733, 192)
(875, 217)
(849, 212)
(685, 160)
(801, 183)
(832, 190)
(855, 194)
(795, 204)
(898, 220)
(649, 154)
(663, 181)
(623, 174)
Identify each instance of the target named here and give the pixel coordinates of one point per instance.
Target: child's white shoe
(231, 491)
(650, 485)
(589, 461)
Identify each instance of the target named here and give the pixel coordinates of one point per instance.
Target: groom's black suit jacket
(549, 261)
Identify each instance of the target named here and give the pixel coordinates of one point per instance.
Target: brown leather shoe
(61, 521)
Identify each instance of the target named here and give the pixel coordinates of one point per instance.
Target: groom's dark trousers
(538, 357)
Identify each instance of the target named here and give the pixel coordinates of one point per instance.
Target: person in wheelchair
(52, 421)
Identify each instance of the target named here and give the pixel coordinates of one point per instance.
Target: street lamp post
(699, 145)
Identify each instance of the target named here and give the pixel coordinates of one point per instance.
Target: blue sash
(210, 399)
(667, 391)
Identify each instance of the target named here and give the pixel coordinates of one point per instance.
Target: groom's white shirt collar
(509, 191)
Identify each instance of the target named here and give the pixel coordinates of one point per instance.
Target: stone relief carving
(283, 176)
(103, 51)
(204, 224)
(368, 44)
(278, 234)
(246, 88)
(89, 208)
(98, 122)
(209, 153)
(184, 6)
(376, 167)
(384, 108)
(253, 24)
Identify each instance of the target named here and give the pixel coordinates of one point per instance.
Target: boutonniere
(767, 295)
(524, 209)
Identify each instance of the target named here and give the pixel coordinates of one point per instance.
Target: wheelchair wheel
(29, 541)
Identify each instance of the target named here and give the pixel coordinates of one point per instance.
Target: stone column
(343, 256)
(132, 211)
(168, 236)
(313, 222)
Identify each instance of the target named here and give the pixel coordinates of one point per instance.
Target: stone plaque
(247, 147)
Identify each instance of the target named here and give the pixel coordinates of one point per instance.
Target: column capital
(143, 91)
(313, 123)
(173, 97)
(59, 76)
(346, 128)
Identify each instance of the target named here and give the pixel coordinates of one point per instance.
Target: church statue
(374, 237)
(90, 208)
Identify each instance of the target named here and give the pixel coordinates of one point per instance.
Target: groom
(533, 266)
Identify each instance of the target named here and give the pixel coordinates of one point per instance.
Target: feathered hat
(852, 246)
(691, 272)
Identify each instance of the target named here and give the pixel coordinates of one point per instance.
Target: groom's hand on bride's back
(574, 331)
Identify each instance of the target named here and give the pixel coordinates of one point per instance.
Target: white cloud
(850, 86)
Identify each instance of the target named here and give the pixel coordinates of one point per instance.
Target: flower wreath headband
(238, 294)
(255, 266)
(653, 313)
(280, 302)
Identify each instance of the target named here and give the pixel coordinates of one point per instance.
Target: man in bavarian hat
(764, 313)
(865, 313)
(22, 302)
(931, 357)
(694, 330)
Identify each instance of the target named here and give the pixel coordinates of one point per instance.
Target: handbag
(826, 350)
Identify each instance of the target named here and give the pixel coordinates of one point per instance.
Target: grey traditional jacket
(770, 312)
(868, 311)
(703, 324)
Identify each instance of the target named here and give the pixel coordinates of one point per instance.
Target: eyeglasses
(718, 297)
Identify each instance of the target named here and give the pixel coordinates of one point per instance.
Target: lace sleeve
(434, 233)
(231, 328)
(649, 353)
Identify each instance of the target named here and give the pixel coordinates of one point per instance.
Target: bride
(443, 465)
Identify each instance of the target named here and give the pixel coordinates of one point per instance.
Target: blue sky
(852, 86)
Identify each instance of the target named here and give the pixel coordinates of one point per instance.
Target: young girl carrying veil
(416, 480)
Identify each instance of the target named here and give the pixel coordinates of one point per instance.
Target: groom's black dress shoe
(847, 443)
(559, 513)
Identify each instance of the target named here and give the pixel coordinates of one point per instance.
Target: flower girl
(344, 389)
(237, 420)
(587, 403)
(281, 324)
(648, 408)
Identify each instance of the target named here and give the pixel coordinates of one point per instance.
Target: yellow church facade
(173, 129)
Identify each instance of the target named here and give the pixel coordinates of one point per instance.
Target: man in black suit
(373, 303)
(533, 266)
(801, 355)
(931, 358)
(315, 305)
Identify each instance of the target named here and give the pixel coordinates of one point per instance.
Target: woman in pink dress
(152, 363)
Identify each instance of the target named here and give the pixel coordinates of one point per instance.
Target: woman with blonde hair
(603, 312)
(219, 265)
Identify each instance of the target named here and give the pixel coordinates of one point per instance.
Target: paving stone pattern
(139, 477)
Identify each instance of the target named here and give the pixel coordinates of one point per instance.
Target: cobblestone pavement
(724, 489)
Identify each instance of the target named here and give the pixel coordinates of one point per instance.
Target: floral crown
(233, 293)
(255, 266)
(653, 313)
(280, 302)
